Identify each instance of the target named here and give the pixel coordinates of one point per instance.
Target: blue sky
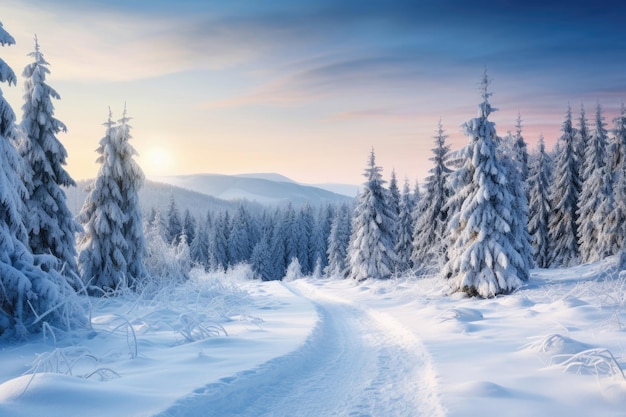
(307, 88)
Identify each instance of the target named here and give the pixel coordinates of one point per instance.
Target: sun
(157, 161)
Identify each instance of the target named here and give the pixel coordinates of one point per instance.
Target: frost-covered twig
(599, 362)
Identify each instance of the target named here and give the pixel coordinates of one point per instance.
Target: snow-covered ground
(223, 346)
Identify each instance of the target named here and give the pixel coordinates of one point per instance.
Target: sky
(307, 88)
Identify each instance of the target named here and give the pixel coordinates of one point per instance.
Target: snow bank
(144, 354)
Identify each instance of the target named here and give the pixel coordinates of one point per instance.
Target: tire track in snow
(355, 363)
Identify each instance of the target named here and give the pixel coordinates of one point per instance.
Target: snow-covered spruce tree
(51, 225)
(619, 170)
(338, 241)
(189, 225)
(260, 259)
(240, 242)
(130, 178)
(509, 155)
(199, 246)
(483, 257)
(218, 243)
(394, 193)
(112, 244)
(371, 250)
(303, 231)
(595, 194)
(289, 234)
(520, 150)
(174, 223)
(539, 206)
(581, 140)
(319, 239)
(417, 194)
(281, 239)
(404, 242)
(431, 213)
(563, 230)
(29, 295)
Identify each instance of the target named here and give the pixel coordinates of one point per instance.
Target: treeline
(491, 211)
(268, 240)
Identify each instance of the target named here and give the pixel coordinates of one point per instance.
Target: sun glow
(156, 161)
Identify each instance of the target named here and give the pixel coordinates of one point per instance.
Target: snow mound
(517, 301)
(570, 302)
(556, 344)
(482, 389)
(462, 314)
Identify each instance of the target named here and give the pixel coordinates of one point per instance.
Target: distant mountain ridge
(158, 196)
(264, 188)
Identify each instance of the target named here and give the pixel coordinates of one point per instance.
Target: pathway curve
(356, 362)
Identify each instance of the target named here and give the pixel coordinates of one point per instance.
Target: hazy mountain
(268, 189)
(158, 195)
(271, 176)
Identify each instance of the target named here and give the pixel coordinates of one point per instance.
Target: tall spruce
(563, 229)
(371, 250)
(596, 193)
(338, 241)
(404, 243)
(581, 140)
(484, 259)
(520, 150)
(394, 193)
(431, 213)
(130, 178)
(539, 206)
(30, 287)
(51, 226)
(112, 244)
(174, 223)
(619, 169)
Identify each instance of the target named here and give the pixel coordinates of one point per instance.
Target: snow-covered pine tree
(29, 296)
(539, 206)
(189, 224)
(199, 246)
(596, 194)
(417, 194)
(619, 170)
(130, 178)
(483, 257)
(516, 165)
(51, 226)
(563, 229)
(240, 244)
(289, 234)
(581, 140)
(394, 193)
(174, 223)
(404, 243)
(338, 241)
(371, 250)
(102, 244)
(431, 213)
(218, 243)
(260, 259)
(321, 231)
(520, 150)
(281, 239)
(304, 227)
(112, 244)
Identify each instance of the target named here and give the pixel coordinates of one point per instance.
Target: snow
(222, 346)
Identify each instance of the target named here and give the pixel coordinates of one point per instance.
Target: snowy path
(356, 362)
